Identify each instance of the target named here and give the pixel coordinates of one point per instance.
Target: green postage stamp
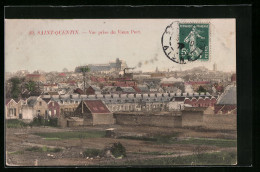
(187, 42)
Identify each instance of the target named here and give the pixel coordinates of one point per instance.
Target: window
(52, 103)
(54, 111)
(49, 112)
(40, 103)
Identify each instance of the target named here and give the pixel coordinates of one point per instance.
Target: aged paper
(117, 92)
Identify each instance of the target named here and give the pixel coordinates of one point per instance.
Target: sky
(53, 52)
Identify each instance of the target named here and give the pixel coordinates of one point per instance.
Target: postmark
(186, 42)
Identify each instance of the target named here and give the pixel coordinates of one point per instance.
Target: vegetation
(30, 86)
(15, 88)
(217, 158)
(72, 135)
(137, 138)
(154, 153)
(210, 142)
(43, 149)
(118, 150)
(40, 121)
(16, 153)
(171, 139)
(92, 152)
(201, 89)
(15, 123)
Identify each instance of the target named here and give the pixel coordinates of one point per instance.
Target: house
(78, 91)
(50, 87)
(91, 90)
(11, 109)
(94, 112)
(227, 102)
(39, 106)
(52, 93)
(127, 90)
(141, 88)
(54, 108)
(35, 77)
(108, 89)
(26, 94)
(21, 103)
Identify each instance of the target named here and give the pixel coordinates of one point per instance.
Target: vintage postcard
(120, 92)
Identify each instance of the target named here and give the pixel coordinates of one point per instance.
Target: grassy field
(72, 135)
(171, 139)
(219, 158)
(154, 153)
(43, 149)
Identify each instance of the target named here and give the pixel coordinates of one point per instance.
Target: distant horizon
(27, 50)
(126, 63)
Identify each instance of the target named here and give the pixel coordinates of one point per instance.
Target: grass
(137, 138)
(72, 135)
(209, 142)
(43, 149)
(171, 139)
(16, 153)
(92, 152)
(154, 153)
(15, 123)
(218, 158)
(156, 138)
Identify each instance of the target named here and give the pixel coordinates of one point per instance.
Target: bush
(118, 150)
(40, 121)
(15, 123)
(92, 152)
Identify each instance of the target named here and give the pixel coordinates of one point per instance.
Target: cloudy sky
(53, 52)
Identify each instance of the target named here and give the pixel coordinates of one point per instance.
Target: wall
(103, 119)
(166, 120)
(220, 121)
(192, 118)
(72, 123)
(28, 113)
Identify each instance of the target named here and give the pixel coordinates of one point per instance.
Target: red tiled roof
(96, 106)
(197, 82)
(137, 89)
(62, 74)
(79, 91)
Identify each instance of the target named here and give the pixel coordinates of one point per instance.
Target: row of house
(53, 106)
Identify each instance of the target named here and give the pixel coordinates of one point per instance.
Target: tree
(201, 89)
(84, 70)
(65, 70)
(15, 90)
(30, 86)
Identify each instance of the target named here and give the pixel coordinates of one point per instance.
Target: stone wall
(162, 120)
(99, 119)
(192, 117)
(220, 121)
